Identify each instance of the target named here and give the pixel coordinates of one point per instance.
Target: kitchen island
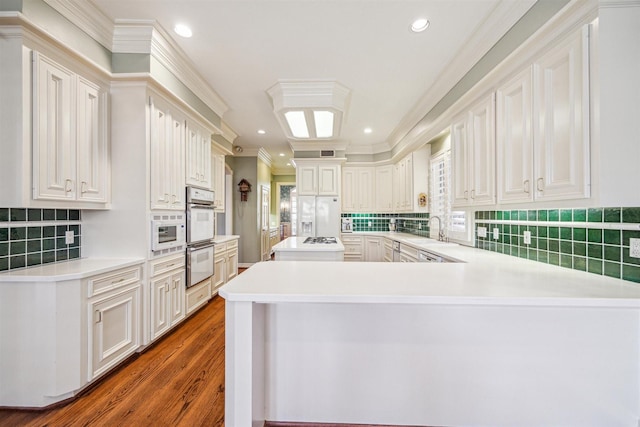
(309, 249)
(494, 340)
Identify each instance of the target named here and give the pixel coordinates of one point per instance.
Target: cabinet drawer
(167, 264)
(220, 248)
(351, 239)
(198, 295)
(232, 244)
(113, 280)
(352, 248)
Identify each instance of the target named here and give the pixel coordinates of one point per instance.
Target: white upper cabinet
(218, 180)
(473, 150)
(198, 155)
(358, 189)
(514, 139)
(70, 137)
(317, 178)
(384, 188)
(542, 127)
(167, 158)
(561, 125)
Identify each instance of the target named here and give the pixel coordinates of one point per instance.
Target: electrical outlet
(527, 237)
(482, 231)
(68, 237)
(496, 234)
(369, 223)
(419, 226)
(634, 248)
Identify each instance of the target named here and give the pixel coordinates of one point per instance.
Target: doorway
(287, 212)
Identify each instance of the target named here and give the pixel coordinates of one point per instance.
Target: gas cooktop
(325, 240)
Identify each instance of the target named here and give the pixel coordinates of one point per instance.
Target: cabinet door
(160, 133)
(175, 173)
(373, 249)
(384, 189)
(482, 149)
(514, 141)
(114, 330)
(306, 180)
(160, 320)
(459, 148)
(219, 181)
(561, 135)
(198, 156)
(328, 180)
(177, 298)
(92, 142)
(365, 188)
(232, 263)
(54, 152)
(399, 179)
(407, 198)
(349, 189)
(219, 270)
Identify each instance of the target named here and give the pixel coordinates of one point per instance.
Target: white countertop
(297, 244)
(68, 270)
(484, 278)
(223, 239)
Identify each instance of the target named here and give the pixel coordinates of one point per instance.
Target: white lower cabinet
(198, 295)
(113, 318)
(352, 247)
(373, 249)
(167, 293)
(225, 263)
(388, 250)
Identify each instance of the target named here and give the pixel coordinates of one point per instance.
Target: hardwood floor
(179, 381)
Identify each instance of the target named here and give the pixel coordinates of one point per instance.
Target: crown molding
(288, 170)
(487, 33)
(317, 145)
(148, 37)
(618, 3)
(88, 17)
(258, 152)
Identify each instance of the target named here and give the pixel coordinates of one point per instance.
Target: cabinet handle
(98, 316)
(118, 281)
(466, 194)
(83, 186)
(200, 296)
(473, 194)
(540, 184)
(67, 185)
(526, 186)
(173, 198)
(166, 287)
(171, 265)
(166, 196)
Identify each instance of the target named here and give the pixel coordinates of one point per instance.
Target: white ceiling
(243, 47)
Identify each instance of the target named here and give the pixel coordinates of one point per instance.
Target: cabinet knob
(67, 185)
(526, 186)
(98, 316)
(83, 187)
(540, 184)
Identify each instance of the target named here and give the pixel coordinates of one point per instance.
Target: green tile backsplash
(595, 240)
(31, 237)
(414, 223)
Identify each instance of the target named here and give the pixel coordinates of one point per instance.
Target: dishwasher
(425, 256)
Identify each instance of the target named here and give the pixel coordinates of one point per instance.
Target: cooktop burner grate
(325, 240)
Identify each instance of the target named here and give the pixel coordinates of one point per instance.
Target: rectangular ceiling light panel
(324, 123)
(297, 124)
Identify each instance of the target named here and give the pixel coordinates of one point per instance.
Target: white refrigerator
(318, 216)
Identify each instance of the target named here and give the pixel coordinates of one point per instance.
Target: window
(454, 222)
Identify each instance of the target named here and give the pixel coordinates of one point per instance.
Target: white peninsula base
(411, 344)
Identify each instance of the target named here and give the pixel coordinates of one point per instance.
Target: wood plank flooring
(179, 381)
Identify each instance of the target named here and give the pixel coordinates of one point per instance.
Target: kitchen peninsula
(478, 342)
(309, 249)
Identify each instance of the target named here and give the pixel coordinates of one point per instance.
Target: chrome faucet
(440, 230)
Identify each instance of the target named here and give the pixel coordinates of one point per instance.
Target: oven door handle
(199, 206)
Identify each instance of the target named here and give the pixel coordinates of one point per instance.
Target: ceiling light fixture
(420, 25)
(309, 109)
(281, 154)
(368, 130)
(183, 30)
(261, 131)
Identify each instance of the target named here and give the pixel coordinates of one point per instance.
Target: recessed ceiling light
(419, 25)
(281, 154)
(368, 130)
(183, 31)
(261, 131)
(288, 164)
